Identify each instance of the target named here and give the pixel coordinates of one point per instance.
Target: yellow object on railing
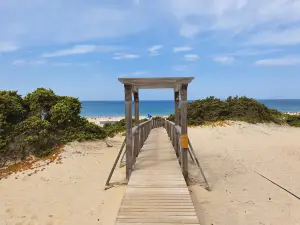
(184, 141)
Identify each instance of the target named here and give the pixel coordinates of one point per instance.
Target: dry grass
(219, 123)
(32, 163)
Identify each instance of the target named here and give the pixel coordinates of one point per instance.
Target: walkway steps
(157, 192)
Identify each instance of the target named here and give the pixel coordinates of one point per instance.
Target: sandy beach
(101, 120)
(232, 158)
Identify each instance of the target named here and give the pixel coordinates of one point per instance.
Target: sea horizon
(105, 108)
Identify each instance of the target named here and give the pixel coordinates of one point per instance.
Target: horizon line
(188, 99)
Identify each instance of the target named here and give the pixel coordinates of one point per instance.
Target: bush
(23, 130)
(65, 112)
(293, 120)
(34, 136)
(12, 107)
(234, 108)
(41, 100)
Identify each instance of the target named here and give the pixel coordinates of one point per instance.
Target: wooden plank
(157, 192)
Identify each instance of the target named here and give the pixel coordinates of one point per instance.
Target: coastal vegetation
(41, 121)
(244, 109)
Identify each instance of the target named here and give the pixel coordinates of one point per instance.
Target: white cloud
(284, 61)
(182, 49)
(189, 30)
(180, 68)
(233, 16)
(191, 57)
(7, 47)
(48, 22)
(43, 22)
(22, 62)
(125, 56)
(154, 50)
(80, 49)
(278, 37)
(253, 52)
(224, 59)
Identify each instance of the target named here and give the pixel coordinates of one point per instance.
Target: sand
(231, 156)
(101, 120)
(68, 193)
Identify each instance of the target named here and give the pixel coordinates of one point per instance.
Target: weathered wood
(128, 120)
(136, 108)
(161, 82)
(184, 163)
(198, 164)
(115, 163)
(157, 192)
(176, 113)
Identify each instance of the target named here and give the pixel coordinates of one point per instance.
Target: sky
(80, 48)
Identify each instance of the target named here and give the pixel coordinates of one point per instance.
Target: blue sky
(80, 48)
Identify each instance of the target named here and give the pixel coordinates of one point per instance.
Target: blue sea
(156, 108)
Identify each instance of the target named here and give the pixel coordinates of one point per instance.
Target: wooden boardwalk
(157, 192)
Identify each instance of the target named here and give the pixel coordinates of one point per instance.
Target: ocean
(156, 108)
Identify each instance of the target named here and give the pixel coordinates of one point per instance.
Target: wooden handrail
(174, 134)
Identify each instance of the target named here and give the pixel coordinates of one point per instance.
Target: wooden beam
(128, 119)
(184, 138)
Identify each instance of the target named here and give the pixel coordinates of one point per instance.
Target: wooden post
(136, 108)
(128, 118)
(137, 122)
(184, 137)
(176, 113)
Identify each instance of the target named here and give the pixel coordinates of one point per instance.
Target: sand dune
(231, 156)
(67, 193)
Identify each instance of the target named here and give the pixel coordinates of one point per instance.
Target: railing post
(138, 141)
(176, 140)
(142, 136)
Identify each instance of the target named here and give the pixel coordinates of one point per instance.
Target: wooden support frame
(136, 108)
(137, 122)
(132, 85)
(128, 119)
(184, 156)
(176, 103)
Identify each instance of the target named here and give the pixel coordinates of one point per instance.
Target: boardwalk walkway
(157, 192)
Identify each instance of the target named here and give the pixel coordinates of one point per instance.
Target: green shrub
(12, 107)
(24, 132)
(41, 100)
(65, 112)
(233, 108)
(35, 136)
(293, 120)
